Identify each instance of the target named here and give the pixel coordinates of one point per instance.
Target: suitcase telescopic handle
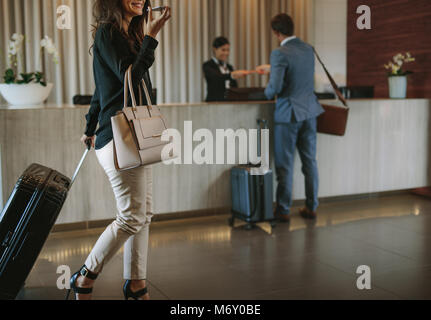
(88, 142)
(262, 121)
(264, 165)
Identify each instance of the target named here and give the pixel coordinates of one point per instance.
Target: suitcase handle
(88, 142)
(264, 164)
(262, 121)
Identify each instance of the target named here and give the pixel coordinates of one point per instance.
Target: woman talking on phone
(124, 34)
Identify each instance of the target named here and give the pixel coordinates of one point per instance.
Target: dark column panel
(397, 26)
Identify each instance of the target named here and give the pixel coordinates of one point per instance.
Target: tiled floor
(203, 258)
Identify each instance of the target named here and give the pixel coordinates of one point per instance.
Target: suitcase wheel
(249, 226)
(231, 221)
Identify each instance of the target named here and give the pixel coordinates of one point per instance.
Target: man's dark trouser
(287, 136)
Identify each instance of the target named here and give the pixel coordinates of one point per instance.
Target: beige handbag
(138, 131)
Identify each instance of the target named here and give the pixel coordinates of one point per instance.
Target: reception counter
(386, 148)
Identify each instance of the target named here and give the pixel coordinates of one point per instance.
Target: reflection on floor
(203, 258)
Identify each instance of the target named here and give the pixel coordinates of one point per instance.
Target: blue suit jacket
(292, 81)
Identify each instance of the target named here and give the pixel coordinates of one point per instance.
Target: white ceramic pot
(398, 87)
(25, 94)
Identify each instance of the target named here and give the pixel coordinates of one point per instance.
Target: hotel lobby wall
(386, 148)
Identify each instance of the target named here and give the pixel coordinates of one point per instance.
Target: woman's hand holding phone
(154, 26)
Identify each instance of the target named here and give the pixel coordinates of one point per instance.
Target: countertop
(71, 106)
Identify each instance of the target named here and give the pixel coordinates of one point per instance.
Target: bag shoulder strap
(333, 83)
(128, 88)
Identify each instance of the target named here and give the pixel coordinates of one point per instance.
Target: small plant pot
(397, 87)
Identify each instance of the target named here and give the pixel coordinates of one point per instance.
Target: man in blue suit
(296, 111)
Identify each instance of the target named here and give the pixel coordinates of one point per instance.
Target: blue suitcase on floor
(252, 195)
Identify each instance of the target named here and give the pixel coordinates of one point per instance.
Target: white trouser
(133, 193)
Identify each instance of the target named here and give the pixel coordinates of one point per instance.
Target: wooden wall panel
(397, 26)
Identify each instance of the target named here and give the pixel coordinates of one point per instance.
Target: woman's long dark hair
(111, 12)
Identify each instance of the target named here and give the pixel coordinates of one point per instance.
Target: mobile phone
(161, 9)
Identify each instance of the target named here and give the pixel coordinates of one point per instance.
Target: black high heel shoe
(134, 295)
(83, 272)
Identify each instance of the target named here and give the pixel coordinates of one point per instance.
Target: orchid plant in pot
(26, 88)
(397, 77)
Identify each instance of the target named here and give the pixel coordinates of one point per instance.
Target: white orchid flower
(398, 60)
(395, 69)
(18, 37)
(50, 48)
(409, 57)
(15, 44)
(12, 48)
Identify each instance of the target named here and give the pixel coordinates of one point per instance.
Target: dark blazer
(112, 57)
(216, 81)
(292, 81)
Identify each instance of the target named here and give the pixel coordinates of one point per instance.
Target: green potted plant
(26, 88)
(397, 77)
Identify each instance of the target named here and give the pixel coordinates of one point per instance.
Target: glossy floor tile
(204, 258)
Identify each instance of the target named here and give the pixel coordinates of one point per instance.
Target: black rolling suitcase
(252, 195)
(26, 222)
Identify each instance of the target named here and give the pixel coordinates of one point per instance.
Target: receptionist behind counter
(220, 75)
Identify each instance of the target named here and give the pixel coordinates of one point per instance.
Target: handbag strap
(128, 88)
(333, 83)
